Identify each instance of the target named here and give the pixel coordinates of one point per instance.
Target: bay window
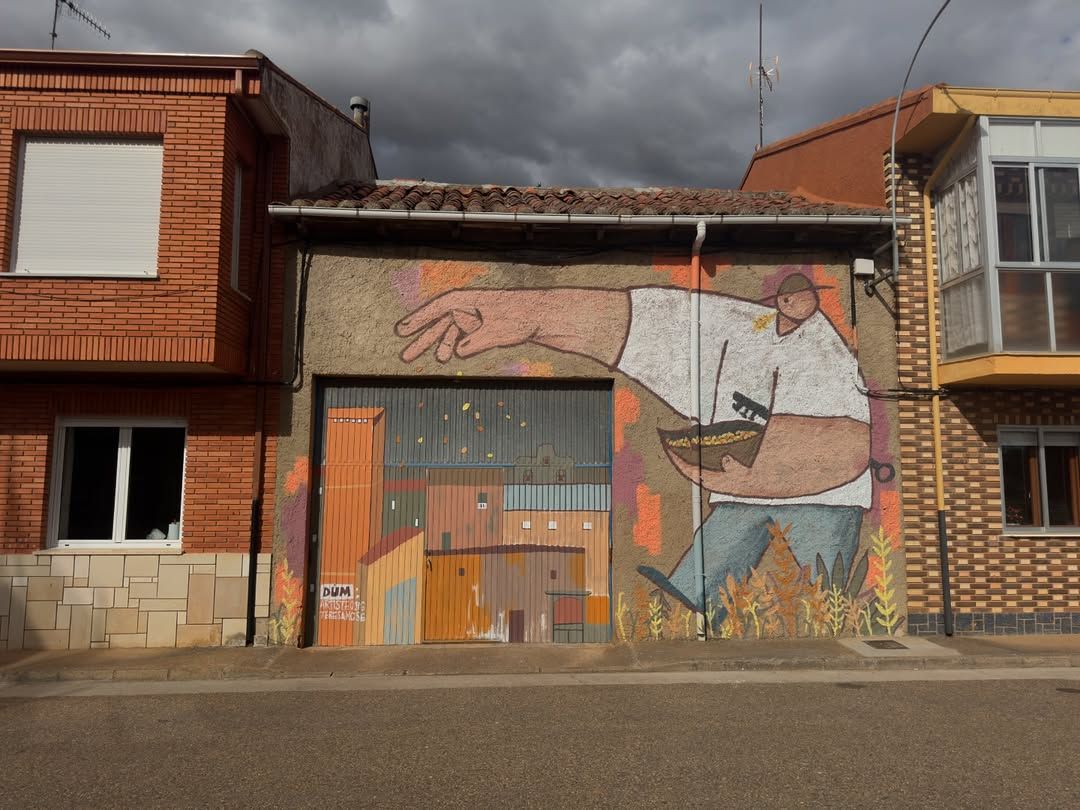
(1008, 240)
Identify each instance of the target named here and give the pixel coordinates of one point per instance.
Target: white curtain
(968, 203)
(964, 326)
(948, 235)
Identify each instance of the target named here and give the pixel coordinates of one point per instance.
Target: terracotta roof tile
(404, 195)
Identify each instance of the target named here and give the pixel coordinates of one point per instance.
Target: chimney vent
(361, 110)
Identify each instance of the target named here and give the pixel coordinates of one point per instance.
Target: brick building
(141, 300)
(988, 339)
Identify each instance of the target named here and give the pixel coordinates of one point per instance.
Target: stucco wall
(356, 297)
(326, 146)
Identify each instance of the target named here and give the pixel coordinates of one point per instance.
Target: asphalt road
(990, 744)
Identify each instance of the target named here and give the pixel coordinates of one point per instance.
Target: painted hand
(728, 480)
(468, 322)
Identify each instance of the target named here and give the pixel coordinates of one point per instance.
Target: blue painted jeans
(735, 535)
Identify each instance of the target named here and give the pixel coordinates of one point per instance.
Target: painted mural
(464, 512)
(791, 451)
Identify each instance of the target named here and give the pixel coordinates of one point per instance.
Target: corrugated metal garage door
(463, 512)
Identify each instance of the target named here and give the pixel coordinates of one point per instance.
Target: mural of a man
(779, 363)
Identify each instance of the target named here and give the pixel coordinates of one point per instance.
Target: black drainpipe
(261, 314)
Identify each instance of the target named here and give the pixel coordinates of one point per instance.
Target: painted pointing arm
(589, 322)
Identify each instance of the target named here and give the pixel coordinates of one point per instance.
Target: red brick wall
(995, 576)
(843, 160)
(218, 475)
(189, 313)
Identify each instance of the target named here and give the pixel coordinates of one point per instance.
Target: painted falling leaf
(762, 322)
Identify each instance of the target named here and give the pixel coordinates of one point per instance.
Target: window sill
(101, 550)
(110, 276)
(1034, 534)
(1012, 368)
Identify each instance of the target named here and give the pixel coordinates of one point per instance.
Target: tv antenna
(79, 13)
(766, 76)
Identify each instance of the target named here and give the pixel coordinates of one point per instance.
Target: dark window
(89, 483)
(1013, 199)
(155, 481)
(1061, 200)
(1028, 499)
(121, 484)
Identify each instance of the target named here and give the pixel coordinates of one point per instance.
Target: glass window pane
(1022, 438)
(1015, 138)
(970, 242)
(1060, 139)
(1061, 438)
(1020, 481)
(1066, 289)
(948, 223)
(1013, 201)
(1062, 205)
(1063, 485)
(1025, 321)
(88, 490)
(155, 483)
(964, 317)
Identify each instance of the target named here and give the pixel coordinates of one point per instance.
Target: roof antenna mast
(766, 77)
(78, 13)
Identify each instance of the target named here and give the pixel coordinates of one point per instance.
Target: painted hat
(795, 283)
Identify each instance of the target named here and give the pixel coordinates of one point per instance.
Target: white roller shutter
(88, 207)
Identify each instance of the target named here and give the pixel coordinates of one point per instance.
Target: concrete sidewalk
(505, 659)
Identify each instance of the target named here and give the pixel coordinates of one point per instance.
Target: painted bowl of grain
(736, 438)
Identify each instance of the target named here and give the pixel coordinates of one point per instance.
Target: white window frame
(238, 212)
(123, 461)
(1041, 432)
(18, 180)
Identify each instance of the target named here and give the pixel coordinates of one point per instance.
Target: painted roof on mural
(409, 195)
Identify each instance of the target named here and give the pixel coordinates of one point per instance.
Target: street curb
(699, 665)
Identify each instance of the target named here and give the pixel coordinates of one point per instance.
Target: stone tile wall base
(100, 601)
(995, 624)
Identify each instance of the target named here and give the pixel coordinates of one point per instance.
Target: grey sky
(589, 92)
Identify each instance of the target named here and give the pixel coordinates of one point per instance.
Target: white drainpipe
(695, 410)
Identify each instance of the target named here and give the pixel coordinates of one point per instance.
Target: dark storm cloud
(587, 92)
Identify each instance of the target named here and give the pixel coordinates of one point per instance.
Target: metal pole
(55, 16)
(760, 71)
(946, 585)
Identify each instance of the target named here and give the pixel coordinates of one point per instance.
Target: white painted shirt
(807, 372)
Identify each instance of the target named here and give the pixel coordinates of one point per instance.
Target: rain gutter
(316, 212)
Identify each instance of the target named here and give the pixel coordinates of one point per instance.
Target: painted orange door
(352, 498)
(452, 610)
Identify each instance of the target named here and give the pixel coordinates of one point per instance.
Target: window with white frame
(1040, 478)
(1008, 233)
(118, 483)
(87, 206)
